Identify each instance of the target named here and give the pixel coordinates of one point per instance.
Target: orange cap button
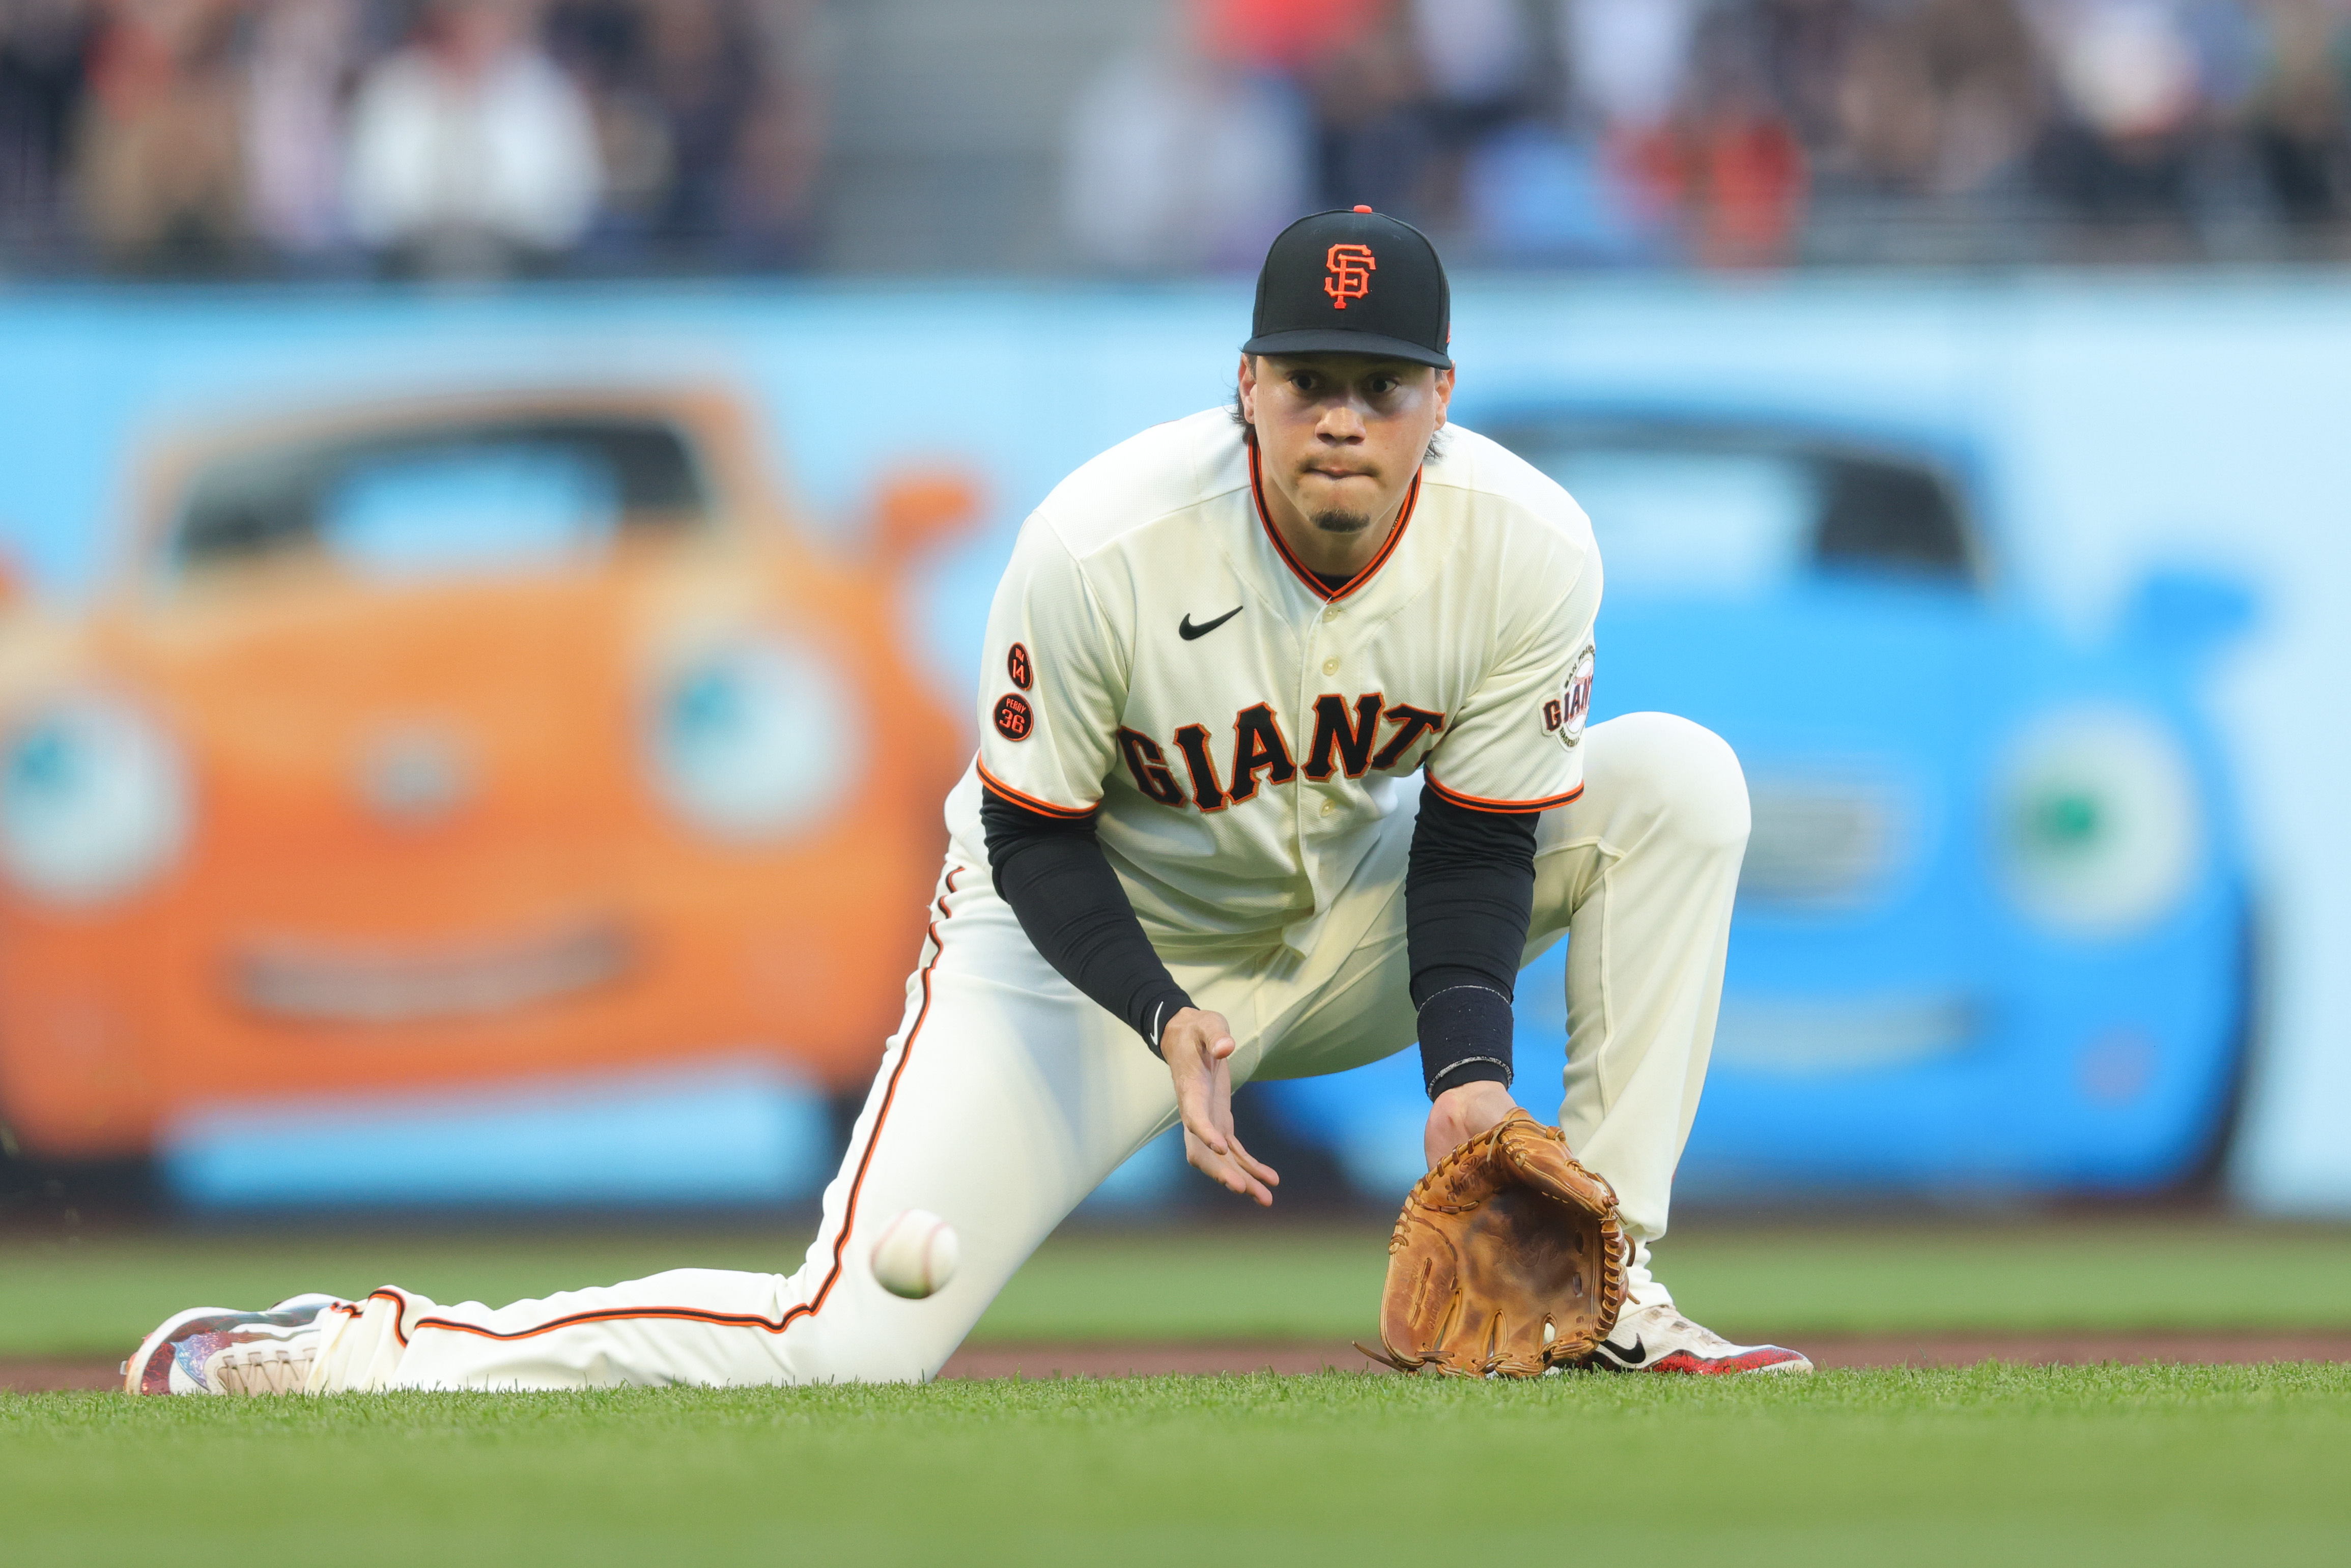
(1363, 209)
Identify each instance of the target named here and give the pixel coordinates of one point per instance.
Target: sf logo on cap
(1351, 267)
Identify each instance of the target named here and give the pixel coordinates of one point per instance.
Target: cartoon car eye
(755, 739)
(93, 801)
(2098, 822)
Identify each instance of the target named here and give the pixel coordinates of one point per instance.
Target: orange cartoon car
(454, 742)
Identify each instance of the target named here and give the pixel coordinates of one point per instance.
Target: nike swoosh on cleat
(1188, 631)
(1632, 1357)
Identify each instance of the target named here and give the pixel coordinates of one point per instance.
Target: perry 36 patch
(1564, 715)
(1014, 719)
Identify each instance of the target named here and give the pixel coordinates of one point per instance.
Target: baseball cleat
(1659, 1339)
(212, 1350)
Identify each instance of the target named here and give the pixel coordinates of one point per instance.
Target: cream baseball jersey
(1156, 656)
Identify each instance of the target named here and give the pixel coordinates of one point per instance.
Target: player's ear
(1247, 381)
(1444, 395)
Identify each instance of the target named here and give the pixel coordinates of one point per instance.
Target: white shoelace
(270, 1367)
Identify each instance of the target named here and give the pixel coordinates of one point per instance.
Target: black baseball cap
(1353, 282)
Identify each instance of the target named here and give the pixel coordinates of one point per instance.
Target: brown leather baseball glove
(1509, 1259)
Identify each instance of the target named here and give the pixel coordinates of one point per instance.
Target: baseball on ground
(916, 1254)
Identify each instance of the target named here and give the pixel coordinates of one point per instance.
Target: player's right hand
(1197, 1046)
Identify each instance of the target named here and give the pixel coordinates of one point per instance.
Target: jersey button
(1331, 613)
(1330, 666)
(1330, 808)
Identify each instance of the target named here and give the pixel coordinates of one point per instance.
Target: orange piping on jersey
(848, 1218)
(398, 1301)
(1479, 802)
(1313, 584)
(1043, 808)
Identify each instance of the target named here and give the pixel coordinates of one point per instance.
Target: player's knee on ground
(1685, 772)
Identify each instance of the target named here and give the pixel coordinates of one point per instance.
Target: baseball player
(1284, 766)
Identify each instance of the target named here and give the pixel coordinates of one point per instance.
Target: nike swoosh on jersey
(1188, 631)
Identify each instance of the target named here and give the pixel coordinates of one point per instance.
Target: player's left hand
(1197, 1045)
(1460, 1115)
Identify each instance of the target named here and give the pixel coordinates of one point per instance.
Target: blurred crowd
(1733, 132)
(484, 136)
(440, 136)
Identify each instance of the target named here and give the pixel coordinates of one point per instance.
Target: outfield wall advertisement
(407, 788)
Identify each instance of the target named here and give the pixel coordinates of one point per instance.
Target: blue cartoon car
(1994, 930)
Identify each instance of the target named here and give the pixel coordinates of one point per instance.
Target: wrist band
(1508, 1073)
(1463, 1026)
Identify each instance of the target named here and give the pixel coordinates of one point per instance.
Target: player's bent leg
(1641, 872)
(1002, 1101)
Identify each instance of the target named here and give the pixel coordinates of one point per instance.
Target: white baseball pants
(1005, 1097)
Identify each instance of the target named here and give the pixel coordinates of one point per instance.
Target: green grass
(2153, 1465)
(2146, 1465)
(97, 1295)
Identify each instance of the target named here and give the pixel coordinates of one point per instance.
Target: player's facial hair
(1338, 521)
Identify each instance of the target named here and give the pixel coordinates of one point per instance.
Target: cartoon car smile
(454, 742)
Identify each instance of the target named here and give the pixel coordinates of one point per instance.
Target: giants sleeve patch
(1564, 715)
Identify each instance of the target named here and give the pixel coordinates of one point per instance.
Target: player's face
(1342, 434)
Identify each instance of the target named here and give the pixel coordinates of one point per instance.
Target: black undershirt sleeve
(1051, 871)
(1468, 894)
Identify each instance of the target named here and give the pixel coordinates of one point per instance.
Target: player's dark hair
(1248, 432)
